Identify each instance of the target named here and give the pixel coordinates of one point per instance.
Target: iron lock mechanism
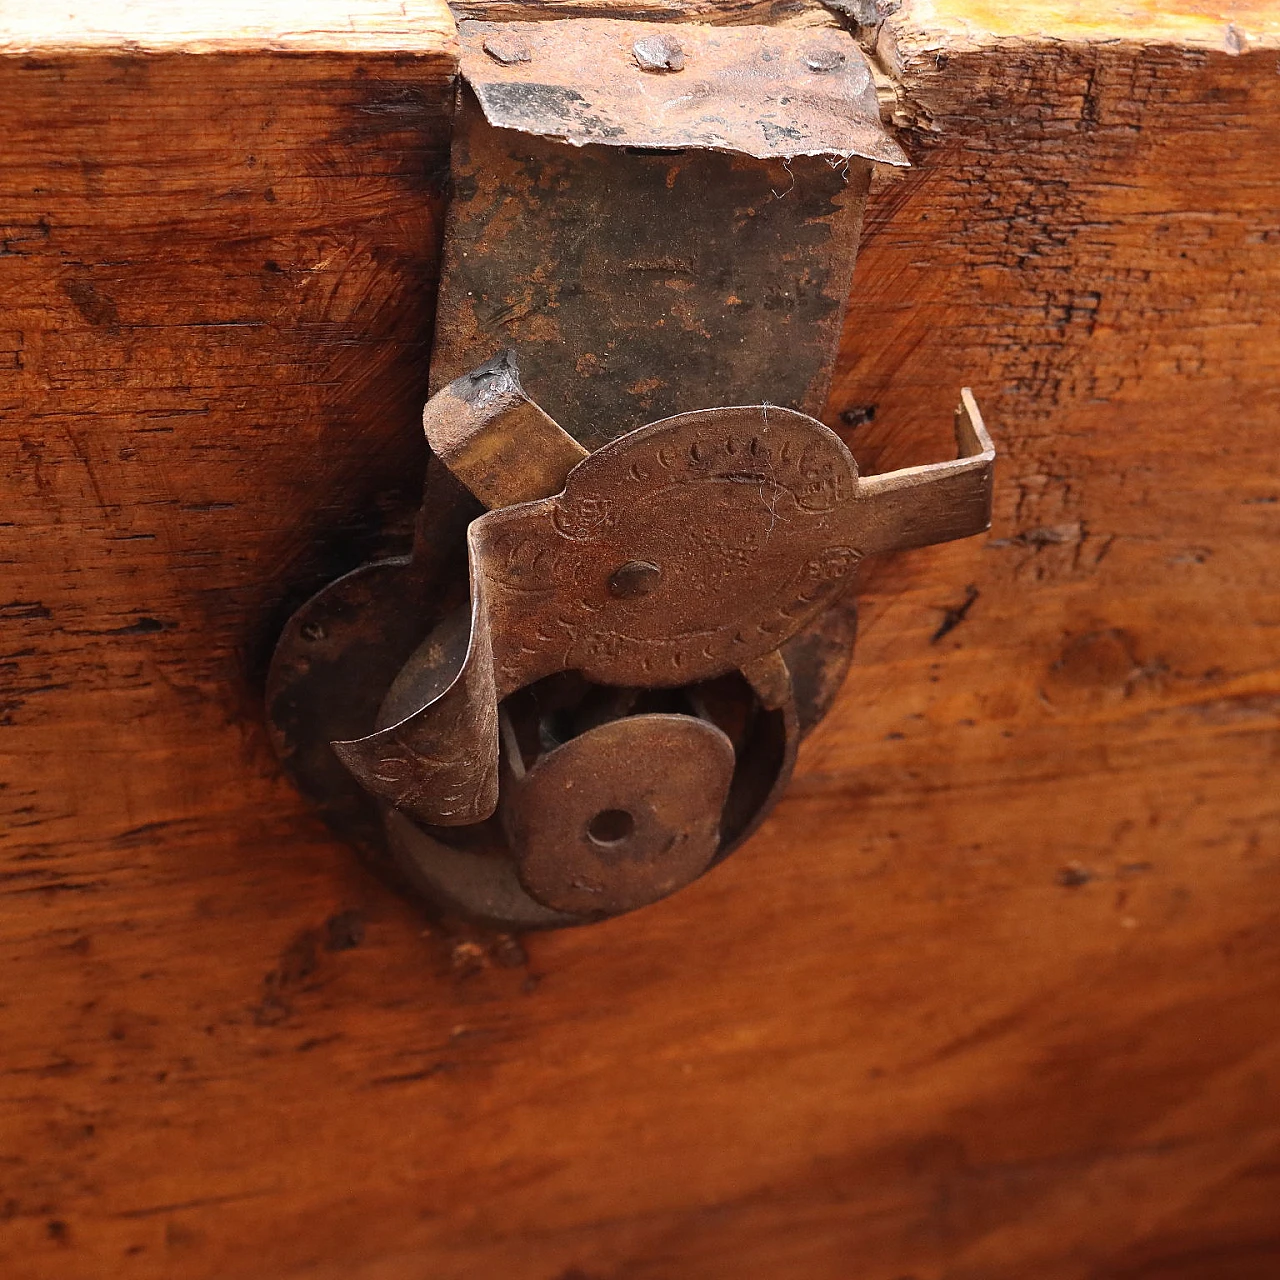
(618, 701)
(586, 684)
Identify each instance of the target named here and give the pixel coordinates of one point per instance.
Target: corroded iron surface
(755, 91)
(635, 285)
(693, 243)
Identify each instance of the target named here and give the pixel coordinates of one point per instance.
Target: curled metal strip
(684, 550)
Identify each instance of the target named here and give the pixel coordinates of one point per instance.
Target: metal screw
(658, 53)
(507, 49)
(635, 578)
(822, 59)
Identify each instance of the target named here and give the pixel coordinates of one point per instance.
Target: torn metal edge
(729, 53)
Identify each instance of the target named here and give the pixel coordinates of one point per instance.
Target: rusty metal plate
(755, 91)
(637, 286)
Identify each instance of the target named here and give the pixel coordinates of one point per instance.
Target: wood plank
(768, 13)
(993, 995)
(1225, 26)
(154, 26)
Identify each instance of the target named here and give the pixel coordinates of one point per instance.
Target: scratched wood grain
(996, 992)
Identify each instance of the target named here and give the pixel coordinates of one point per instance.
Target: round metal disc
(622, 815)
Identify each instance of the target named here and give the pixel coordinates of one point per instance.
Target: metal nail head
(658, 53)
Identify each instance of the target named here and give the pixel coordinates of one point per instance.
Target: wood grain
(995, 993)
(154, 26)
(769, 13)
(1226, 26)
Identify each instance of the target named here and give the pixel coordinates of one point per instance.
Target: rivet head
(507, 49)
(635, 578)
(822, 59)
(658, 53)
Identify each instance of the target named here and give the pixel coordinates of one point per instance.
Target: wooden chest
(995, 992)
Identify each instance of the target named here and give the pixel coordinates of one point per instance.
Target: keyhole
(610, 826)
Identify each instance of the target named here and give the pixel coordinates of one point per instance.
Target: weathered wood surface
(995, 994)
(768, 13)
(43, 27)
